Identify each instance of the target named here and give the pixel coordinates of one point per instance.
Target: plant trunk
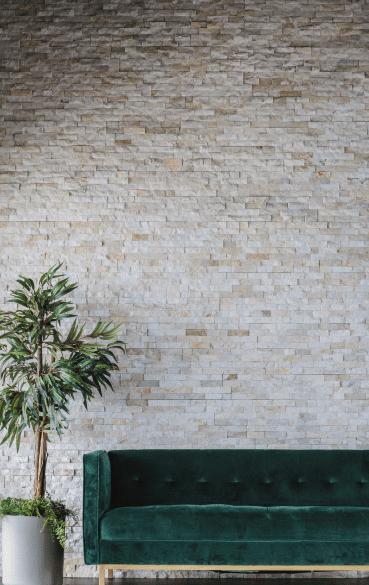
(39, 486)
(40, 463)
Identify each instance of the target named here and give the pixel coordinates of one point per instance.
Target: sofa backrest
(254, 477)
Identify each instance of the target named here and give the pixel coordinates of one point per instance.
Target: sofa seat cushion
(225, 523)
(185, 522)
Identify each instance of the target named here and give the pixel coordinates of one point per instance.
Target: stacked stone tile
(202, 170)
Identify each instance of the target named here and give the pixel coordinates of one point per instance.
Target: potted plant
(41, 369)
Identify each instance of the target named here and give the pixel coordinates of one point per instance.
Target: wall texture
(201, 167)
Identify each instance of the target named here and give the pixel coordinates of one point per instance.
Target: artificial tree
(41, 368)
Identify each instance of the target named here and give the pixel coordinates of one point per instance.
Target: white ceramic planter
(30, 557)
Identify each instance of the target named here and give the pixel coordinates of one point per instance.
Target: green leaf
(71, 334)
(67, 289)
(50, 274)
(19, 436)
(96, 331)
(59, 286)
(27, 283)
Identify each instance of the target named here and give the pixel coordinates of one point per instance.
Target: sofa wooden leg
(101, 575)
(110, 573)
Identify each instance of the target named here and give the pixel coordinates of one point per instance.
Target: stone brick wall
(201, 169)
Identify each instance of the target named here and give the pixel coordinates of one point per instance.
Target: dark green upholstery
(266, 552)
(96, 500)
(236, 523)
(256, 507)
(240, 477)
(187, 522)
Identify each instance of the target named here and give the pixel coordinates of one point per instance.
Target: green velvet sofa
(234, 509)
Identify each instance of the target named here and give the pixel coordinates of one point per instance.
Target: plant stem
(39, 487)
(40, 463)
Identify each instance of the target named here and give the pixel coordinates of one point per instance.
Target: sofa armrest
(96, 501)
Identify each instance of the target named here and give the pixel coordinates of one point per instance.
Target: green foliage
(55, 513)
(35, 395)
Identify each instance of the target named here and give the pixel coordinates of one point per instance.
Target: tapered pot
(30, 557)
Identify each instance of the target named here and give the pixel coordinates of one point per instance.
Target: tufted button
(235, 481)
(331, 480)
(267, 481)
(299, 481)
